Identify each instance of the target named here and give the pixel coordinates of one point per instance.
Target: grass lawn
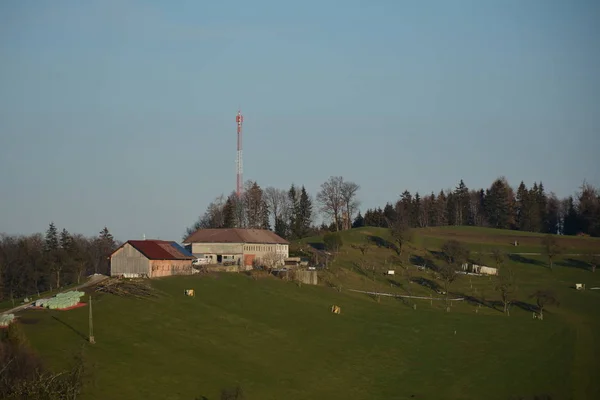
(280, 341)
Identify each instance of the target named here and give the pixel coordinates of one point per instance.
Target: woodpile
(126, 287)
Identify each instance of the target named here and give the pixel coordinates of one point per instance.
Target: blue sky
(122, 113)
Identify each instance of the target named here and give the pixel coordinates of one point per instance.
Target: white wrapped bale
(6, 319)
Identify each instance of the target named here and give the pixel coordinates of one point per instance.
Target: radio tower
(240, 167)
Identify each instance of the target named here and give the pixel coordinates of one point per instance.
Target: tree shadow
(381, 242)
(317, 246)
(81, 335)
(422, 262)
(525, 306)
(572, 263)
(524, 260)
(360, 270)
(491, 304)
(438, 255)
(428, 283)
(201, 398)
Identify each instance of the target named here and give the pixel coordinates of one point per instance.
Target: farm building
(150, 258)
(243, 247)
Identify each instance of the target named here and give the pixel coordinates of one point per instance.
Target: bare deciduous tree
(331, 200)
(543, 299)
(506, 284)
(348, 193)
(272, 260)
(400, 232)
(499, 257)
(551, 248)
(455, 254)
(593, 260)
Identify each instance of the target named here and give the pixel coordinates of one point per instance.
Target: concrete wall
(307, 277)
(160, 268)
(127, 260)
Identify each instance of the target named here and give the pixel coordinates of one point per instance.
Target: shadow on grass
(474, 301)
(381, 242)
(423, 262)
(81, 335)
(317, 246)
(524, 260)
(428, 283)
(572, 263)
(526, 306)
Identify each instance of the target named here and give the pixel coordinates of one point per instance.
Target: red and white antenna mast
(240, 166)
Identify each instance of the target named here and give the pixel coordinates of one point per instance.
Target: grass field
(280, 341)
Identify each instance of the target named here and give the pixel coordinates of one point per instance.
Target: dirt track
(92, 281)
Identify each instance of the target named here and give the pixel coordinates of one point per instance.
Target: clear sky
(122, 113)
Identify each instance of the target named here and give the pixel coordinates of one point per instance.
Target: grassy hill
(279, 340)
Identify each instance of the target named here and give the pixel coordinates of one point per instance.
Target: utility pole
(92, 340)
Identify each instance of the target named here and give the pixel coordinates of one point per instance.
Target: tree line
(499, 206)
(290, 213)
(37, 263)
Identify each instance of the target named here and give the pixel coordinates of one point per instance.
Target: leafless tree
(278, 203)
(256, 207)
(551, 248)
(593, 260)
(331, 200)
(506, 284)
(272, 260)
(454, 254)
(543, 299)
(400, 232)
(348, 194)
(499, 257)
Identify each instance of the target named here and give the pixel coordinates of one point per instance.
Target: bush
(22, 375)
(333, 242)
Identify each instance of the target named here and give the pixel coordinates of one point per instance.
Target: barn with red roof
(150, 258)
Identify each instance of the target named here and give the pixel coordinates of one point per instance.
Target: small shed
(150, 258)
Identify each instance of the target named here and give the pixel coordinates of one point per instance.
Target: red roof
(235, 235)
(158, 250)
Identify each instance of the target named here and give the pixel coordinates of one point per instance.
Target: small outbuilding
(151, 259)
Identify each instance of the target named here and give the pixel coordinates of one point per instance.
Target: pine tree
(461, 204)
(294, 205)
(359, 221)
(571, 224)
(442, 209)
(432, 214)
(66, 241)
(451, 208)
(389, 214)
(281, 227)
(542, 203)
(522, 217)
(229, 213)
(304, 216)
(416, 211)
(51, 243)
(498, 205)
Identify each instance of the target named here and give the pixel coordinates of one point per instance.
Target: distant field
(280, 341)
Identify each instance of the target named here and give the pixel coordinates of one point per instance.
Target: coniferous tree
(389, 214)
(417, 211)
(442, 209)
(294, 206)
(51, 243)
(571, 225)
(432, 211)
(229, 220)
(304, 216)
(359, 221)
(522, 217)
